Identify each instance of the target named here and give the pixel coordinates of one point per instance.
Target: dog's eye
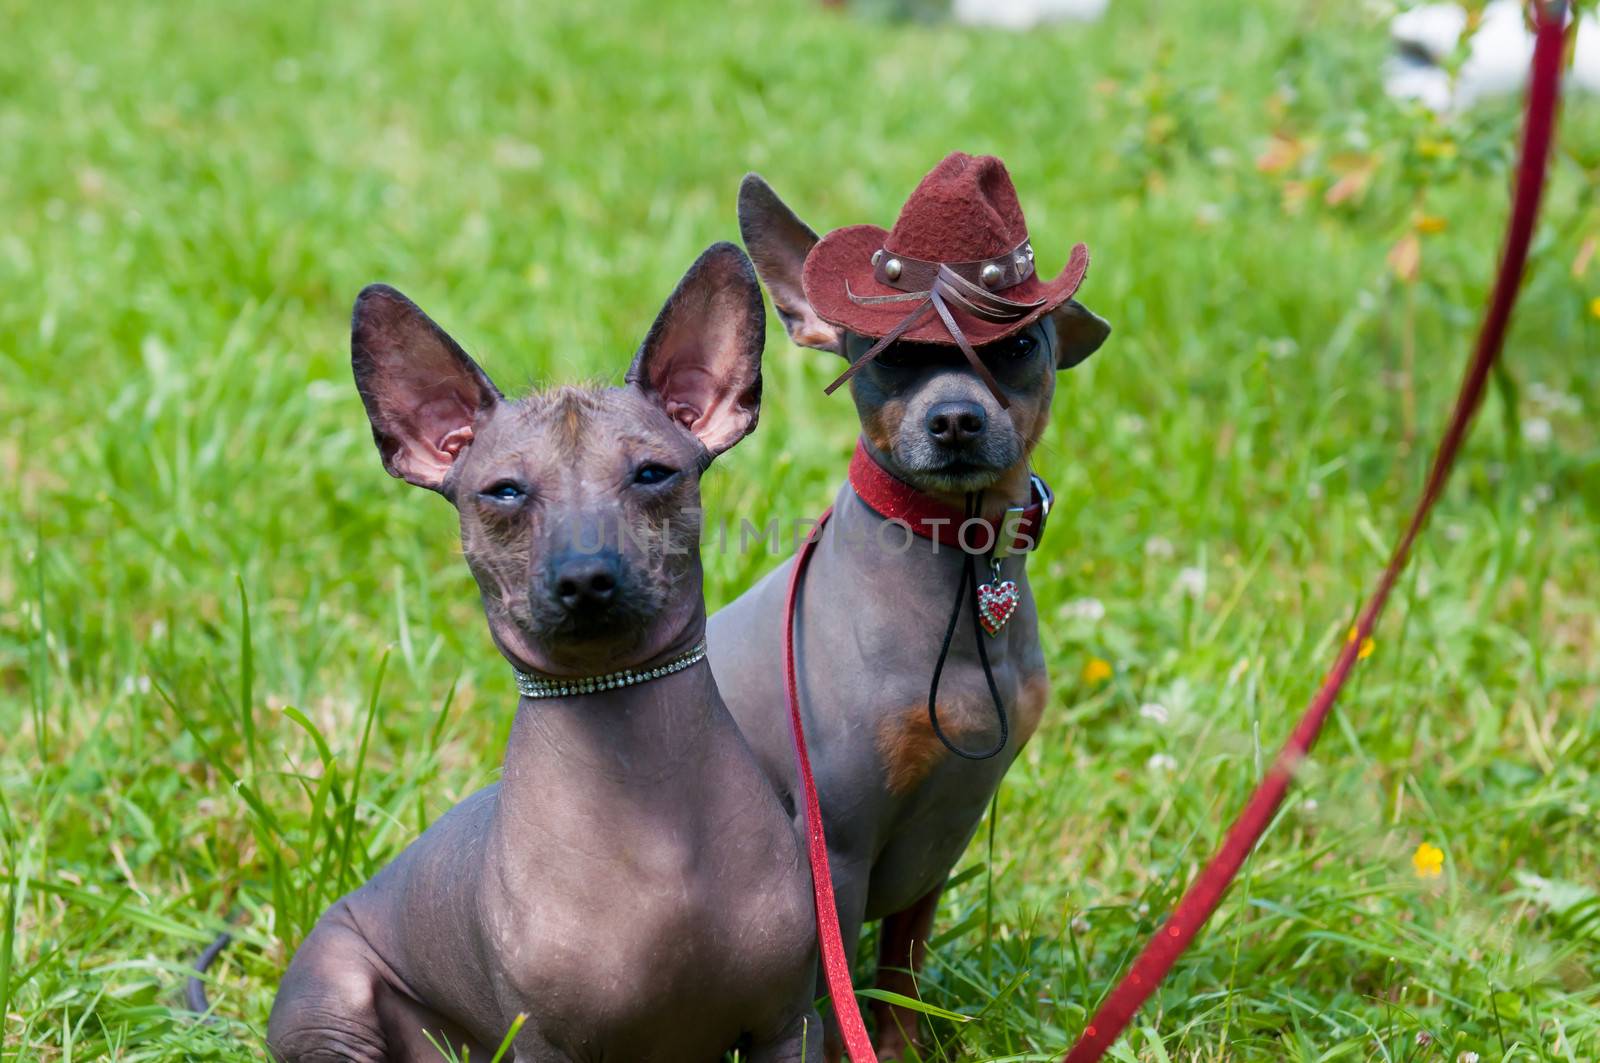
(1016, 348)
(504, 491)
(894, 356)
(653, 473)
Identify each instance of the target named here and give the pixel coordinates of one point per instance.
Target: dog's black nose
(586, 579)
(954, 423)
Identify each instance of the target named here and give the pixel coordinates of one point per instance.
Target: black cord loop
(967, 589)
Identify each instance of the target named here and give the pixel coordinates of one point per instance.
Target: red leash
(1206, 892)
(835, 962)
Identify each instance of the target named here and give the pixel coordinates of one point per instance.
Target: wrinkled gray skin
(898, 809)
(632, 884)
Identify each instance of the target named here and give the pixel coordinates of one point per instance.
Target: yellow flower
(1429, 148)
(1594, 306)
(1367, 645)
(1096, 670)
(1428, 860)
(1431, 223)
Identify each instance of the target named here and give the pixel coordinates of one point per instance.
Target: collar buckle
(1005, 540)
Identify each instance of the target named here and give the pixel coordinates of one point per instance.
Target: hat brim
(844, 258)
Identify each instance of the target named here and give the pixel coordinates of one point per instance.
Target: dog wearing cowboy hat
(920, 671)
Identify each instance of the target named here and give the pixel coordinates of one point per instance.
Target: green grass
(240, 667)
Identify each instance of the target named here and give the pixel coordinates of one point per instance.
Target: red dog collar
(1019, 530)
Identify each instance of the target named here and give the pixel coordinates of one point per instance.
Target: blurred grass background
(240, 667)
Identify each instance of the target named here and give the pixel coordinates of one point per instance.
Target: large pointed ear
(1079, 333)
(701, 361)
(423, 394)
(778, 241)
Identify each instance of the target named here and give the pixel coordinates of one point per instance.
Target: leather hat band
(991, 274)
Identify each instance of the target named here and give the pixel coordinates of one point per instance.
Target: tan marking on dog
(879, 423)
(1030, 415)
(571, 407)
(910, 750)
(909, 747)
(1031, 700)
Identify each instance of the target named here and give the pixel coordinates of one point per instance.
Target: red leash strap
(835, 962)
(1197, 905)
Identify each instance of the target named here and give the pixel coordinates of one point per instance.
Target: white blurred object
(1497, 58)
(1025, 14)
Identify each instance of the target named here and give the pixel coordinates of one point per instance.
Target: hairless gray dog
(898, 808)
(632, 885)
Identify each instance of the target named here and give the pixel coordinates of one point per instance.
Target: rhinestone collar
(533, 685)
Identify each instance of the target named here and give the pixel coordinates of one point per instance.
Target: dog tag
(997, 601)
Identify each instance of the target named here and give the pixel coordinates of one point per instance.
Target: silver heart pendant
(997, 601)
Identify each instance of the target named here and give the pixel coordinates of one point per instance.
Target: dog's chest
(883, 767)
(910, 748)
(609, 971)
(936, 799)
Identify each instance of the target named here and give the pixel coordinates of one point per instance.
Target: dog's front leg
(327, 1006)
(903, 942)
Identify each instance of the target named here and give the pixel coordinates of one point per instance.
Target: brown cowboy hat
(964, 217)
